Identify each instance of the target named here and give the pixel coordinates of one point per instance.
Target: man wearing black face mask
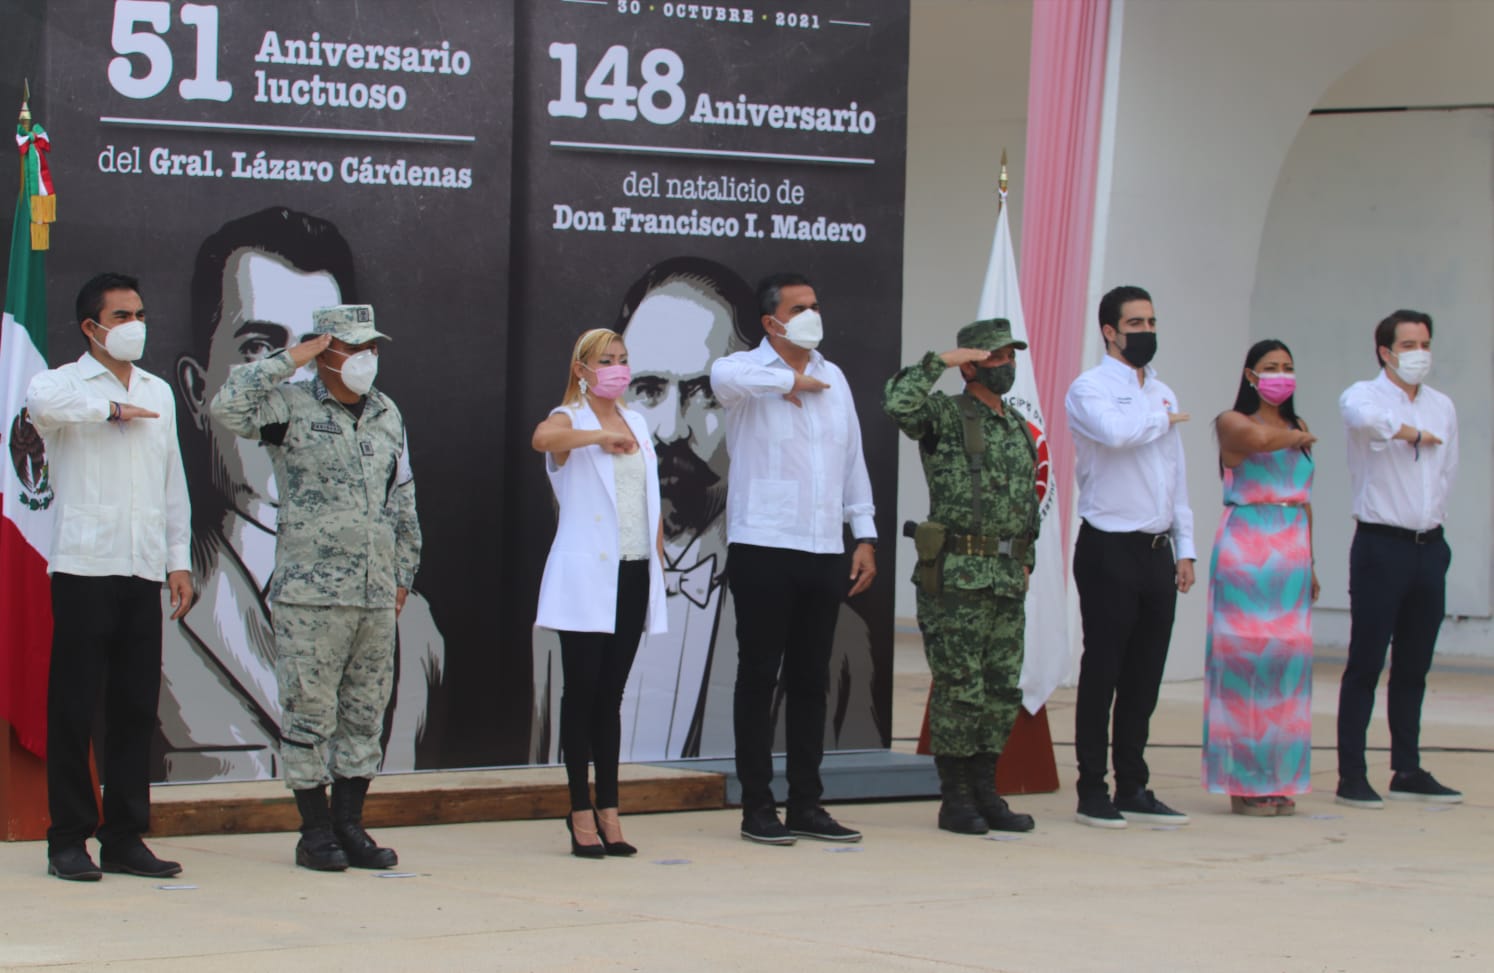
(1134, 554)
(975, 555)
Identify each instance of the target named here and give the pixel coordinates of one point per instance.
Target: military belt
(978, 545)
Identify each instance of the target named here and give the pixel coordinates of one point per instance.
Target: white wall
(1378, 211)
(967, 100)
(1210, 99)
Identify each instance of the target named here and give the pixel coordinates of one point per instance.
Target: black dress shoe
(73, 865)
(136, 859)
(617, 849)
(584, 851)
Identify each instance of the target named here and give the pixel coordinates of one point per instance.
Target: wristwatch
(867, 540)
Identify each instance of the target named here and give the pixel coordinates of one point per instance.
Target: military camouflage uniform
(347, 539)
(973, 630)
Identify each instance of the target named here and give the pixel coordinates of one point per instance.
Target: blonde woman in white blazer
(604, 580)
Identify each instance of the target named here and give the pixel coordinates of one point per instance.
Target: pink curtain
(1066, 87)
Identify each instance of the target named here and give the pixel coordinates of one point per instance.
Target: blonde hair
(591, 344)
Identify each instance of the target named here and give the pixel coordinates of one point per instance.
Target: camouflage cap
(990, 334)
(350, 323)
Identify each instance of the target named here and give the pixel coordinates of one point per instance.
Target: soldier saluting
(975, 554)
(347, 552)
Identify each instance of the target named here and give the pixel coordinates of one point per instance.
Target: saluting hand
(804, 383)
(964, 356)
(309, 349)
(128, 412)
(616, 442)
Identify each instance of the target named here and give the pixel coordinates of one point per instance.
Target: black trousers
(1397, 597)
(1127, 597)
(595, 667)
(106, 638)
(787, 603)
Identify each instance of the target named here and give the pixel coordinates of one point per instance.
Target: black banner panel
(494, 179)
(669, 155)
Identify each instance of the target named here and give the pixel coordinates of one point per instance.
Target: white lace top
(632, 506)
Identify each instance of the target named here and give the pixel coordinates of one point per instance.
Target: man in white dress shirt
(123, 526)
(797, 476)
(1403, 455)
(1134, 554)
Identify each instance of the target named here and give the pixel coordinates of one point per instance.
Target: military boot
(318, 848)
(347, 822)
(957, 811)
(993, 808)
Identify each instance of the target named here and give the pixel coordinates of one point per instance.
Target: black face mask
(999, 379)
(1140, 349)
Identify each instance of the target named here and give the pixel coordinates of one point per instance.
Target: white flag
(1045, 661)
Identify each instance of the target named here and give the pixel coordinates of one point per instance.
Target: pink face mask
(612, 380)
(1275, 387)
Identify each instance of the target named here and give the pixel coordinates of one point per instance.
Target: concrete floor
(1409, 888)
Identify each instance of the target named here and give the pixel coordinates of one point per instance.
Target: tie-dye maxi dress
(1258, 673)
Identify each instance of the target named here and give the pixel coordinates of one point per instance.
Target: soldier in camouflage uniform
(347, 552)
(975, 557)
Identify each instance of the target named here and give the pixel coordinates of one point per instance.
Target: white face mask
(124, 342)
(358, 371)
(1413, 366)
(804, 329)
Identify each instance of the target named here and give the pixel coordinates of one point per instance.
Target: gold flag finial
(1002, 181)
(26, 105)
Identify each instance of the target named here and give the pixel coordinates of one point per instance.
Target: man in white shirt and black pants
(122, 527)
(1403, 454)
(1134, 554)
(797, 476)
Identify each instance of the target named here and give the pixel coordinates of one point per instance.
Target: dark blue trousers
(1397, 598)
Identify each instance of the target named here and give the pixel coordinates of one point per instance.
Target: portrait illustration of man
(676, 319)
(255, 284)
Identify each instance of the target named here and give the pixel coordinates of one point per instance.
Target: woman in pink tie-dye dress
(1258, 676)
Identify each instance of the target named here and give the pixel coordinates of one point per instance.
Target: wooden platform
(398, 800)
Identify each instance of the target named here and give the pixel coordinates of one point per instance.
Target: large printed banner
(493, 181)
(670, 155)
(250, 162)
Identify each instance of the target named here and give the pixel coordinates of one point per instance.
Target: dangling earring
(584, 386)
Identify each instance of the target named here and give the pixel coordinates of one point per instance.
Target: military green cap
(350, 323)
(990, 334)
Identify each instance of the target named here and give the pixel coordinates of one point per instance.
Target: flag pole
(1001, 183)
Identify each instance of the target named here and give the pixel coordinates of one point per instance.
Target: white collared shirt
(1128, 457)
(1391, 485)
(797, 473)
(122, 507)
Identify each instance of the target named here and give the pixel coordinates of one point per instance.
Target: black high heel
(584, 851)
(618, 849)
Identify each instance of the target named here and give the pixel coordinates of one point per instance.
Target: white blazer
(579, 590)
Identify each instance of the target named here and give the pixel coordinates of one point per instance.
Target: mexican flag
(25, 492)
